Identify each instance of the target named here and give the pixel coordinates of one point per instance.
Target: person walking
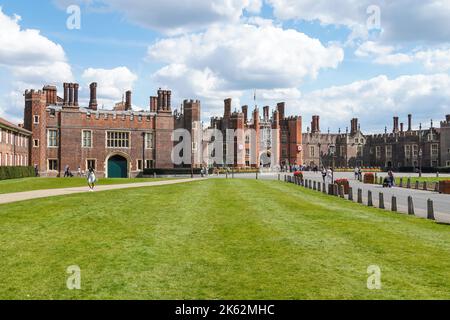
(324, 174)
(66, 171)
(91, 179)
(329, 176)
(79, 171)
(391, 179)
(356, 173)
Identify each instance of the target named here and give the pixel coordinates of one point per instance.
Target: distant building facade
(401, 148)
(14, 145)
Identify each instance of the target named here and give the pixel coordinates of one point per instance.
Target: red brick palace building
(121, 142)
(116, 143)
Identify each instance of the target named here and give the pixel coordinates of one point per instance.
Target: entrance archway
(117, 167)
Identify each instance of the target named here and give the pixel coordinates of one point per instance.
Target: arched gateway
(117, 167)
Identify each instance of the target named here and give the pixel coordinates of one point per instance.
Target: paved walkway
(29, 195)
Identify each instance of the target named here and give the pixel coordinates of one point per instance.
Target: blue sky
(318, 57)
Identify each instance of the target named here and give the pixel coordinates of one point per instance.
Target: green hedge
(16, 172)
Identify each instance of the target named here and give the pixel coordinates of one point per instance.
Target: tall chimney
(76, 87)
(447, 118)
(281, 109)
(153, 102)
(354, 128)
(160, 100)
(315, 124)
(409, 122)
(66, 94)
(245, 112)
(395, 129)
(402, 127)
(70, 94)
(169, 100)
(266, 113)
(227, 111)
(128, 100)
(93, 96)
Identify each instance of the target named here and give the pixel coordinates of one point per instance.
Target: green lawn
(30, 184)
(421, 180)
(218, 239)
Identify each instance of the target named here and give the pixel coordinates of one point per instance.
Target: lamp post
(420, 162)
(332, 152)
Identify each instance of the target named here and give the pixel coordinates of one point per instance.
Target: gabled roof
(5, 124)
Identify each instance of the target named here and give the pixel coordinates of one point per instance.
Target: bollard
(154, 175)
(324, 188)
(425, 186)
(437, 174)
(394, 204)
(360, 199)
(336, 190)
(315, 186)
(330, 189)
(381, 201)
(310, 184)
(408, 184)
(285, 178)
(410, 206)
(430, 214)
(319, 186)
(350, 194)
(401, 183)
(342, 192)
(369, 199)
(417, 185)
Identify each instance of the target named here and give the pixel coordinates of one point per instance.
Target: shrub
(16, 172)
(298, 174)
(345, 183)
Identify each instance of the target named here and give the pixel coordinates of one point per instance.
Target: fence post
(394, 204)
(401, 183)
(350, 194)
(319, 187)
(360, 199)
(425, 186)
(381, 201)
(336, 190)
(410, 206)
(430, 214)
(342, 192)
(324, 188)
(315, 186)
(285, 178)
(369, 199)
(408, 184)
(417, 185)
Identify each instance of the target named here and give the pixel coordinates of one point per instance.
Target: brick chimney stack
(128, 100)
(315, 124)
(245, 112)
(76, 87)
(93, 96)
(354, 126)
(281, 107)
(227, 107)
(409, 122)
(66, 94)
(153, 104)
(402, 127)
(266, 113)
(396, 129)
(70, 94)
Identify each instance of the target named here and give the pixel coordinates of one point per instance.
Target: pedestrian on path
(91, 179)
